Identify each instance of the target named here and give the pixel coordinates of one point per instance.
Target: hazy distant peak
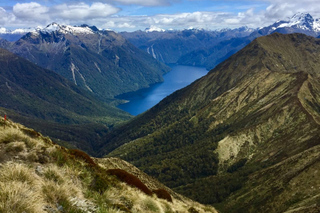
(242, 29)
(154, 29)
(4, 30)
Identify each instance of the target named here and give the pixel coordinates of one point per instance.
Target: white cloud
(252, 17)
(281, 9)
(126, 25)
(145, 2)
(5, 17)
(103, 13)
(209, 20)
(29, 10)
(34, 14)
(82, 11)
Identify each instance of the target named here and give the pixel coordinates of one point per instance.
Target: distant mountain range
(209, 48)
(14, 35)
(170, 46)
(101, 62)
(199, 47)
(245, 137)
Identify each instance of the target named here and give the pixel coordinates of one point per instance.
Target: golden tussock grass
(14, 135)
(18, 196)
(16, 172)
(66, 179)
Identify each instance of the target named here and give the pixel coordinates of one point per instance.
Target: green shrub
(60, 157)
(53, 175)
(121, 208)
(100, 183)
(150, 205)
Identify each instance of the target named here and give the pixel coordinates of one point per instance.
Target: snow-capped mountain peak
(67, 29)
(302, 21)
(52, 27)
(302, 18)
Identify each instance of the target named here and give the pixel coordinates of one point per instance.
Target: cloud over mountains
(121, 15)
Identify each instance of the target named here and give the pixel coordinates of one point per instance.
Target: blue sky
(130, 15)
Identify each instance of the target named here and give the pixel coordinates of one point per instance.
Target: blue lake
(177, 78)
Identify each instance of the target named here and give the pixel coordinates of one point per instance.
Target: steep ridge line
(302, 97)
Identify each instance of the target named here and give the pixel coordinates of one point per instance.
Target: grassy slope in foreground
(37, 176)
(216, 139)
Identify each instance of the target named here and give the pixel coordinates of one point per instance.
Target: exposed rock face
(256, 112)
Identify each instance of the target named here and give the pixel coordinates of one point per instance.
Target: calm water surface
(177, 78)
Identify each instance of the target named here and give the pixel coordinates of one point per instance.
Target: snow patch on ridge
(8, 86)
(152, 51)
(84, 81)
(73, 68)
(95, 63)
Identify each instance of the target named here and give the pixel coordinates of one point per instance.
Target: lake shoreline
(141, 100)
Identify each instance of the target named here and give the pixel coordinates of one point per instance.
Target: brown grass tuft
(163, 194)
(83, 156)
(130, 180)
